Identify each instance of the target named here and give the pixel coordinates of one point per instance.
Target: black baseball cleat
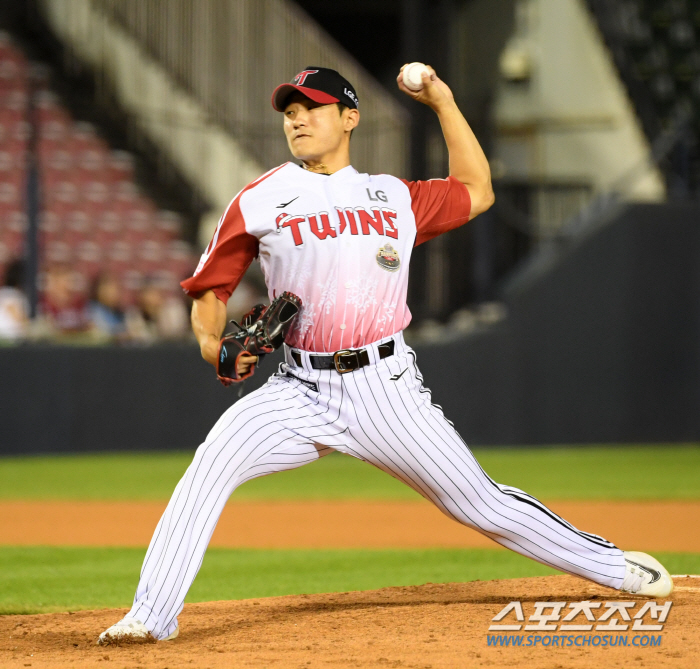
(645, 576)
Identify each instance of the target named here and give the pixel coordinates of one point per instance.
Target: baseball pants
(381, 414)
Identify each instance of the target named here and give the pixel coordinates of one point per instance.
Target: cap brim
(281, 93)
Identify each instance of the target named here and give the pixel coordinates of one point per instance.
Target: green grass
(600, 472)
(41, 579)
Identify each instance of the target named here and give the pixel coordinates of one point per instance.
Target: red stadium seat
(13, 226)
(138, 221)
(149, 255)
(14, 244)
(8, 142)
(180, 257)
(11, 192)
(109, 225)
(168, 225)
(50, 226)
(83, 137)
(53, 157)
(58, 252)
(60, 209)
(55, 131)
(93, 214)
(125, 193)
(88, 257)
(94, 192)
(79, 225)
(15, 220)
(120, 256)
(13, 70)
(14, 99)
(9, 162)
(121, 166)
(61, 191)
(14, 130)
(91, 161)
(17, 132)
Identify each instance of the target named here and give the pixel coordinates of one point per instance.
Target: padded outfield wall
(604, 348)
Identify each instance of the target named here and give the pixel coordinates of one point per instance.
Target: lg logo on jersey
(378, 195)
(355, 220)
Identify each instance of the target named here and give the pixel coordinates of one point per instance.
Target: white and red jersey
(342, 243)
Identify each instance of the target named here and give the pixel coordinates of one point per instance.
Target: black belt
(347, 360)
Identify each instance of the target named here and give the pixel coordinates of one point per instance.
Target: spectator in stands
(14, 309)
(157, 316)
(106, 309)
(64, 310)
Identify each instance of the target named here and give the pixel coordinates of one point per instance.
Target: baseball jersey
(341, 242)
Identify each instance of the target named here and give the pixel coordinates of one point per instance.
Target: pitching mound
(434, 626)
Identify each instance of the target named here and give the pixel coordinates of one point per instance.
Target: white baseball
(412, 76)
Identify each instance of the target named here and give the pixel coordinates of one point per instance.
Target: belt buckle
(339, 366)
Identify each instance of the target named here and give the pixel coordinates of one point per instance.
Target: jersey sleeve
(439, 205)
(226, 259)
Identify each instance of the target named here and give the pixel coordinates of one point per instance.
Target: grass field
(630, 472)
(42, 579)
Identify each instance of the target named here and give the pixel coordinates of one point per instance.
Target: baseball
(412, 76)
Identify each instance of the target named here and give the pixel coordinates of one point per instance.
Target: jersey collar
(342, 174)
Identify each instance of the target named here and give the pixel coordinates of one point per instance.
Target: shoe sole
(125, 639)
(131, 639)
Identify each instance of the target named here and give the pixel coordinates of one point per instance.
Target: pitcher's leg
(251, 439)
(400, 431)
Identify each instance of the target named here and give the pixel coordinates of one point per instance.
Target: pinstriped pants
(380, 414)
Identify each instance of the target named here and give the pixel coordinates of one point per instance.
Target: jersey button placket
(339, 255)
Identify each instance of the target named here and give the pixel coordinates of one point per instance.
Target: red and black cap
(320, 84)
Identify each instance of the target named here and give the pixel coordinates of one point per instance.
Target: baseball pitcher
(335, 248)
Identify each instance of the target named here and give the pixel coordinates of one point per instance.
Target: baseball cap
(320, 84)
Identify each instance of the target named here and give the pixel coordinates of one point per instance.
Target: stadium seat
(93, 214)
(168, 225)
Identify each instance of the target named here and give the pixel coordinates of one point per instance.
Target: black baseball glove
(261, 331)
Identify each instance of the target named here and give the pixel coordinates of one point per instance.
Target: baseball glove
(261, 331)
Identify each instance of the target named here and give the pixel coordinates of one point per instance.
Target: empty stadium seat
(93, 215)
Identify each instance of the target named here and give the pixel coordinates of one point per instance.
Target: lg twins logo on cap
(301, 77)
(352, 96)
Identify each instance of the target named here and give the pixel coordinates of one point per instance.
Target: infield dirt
(668, 526)
(426, 626)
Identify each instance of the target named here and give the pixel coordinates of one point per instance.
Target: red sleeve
(439, 205)
(227, 257)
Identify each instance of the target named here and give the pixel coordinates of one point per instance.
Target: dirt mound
(443, 625)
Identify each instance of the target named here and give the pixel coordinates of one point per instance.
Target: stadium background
(560, 330)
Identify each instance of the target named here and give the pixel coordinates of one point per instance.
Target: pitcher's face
(314, 130)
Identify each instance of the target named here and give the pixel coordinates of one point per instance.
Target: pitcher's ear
(352, 119)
